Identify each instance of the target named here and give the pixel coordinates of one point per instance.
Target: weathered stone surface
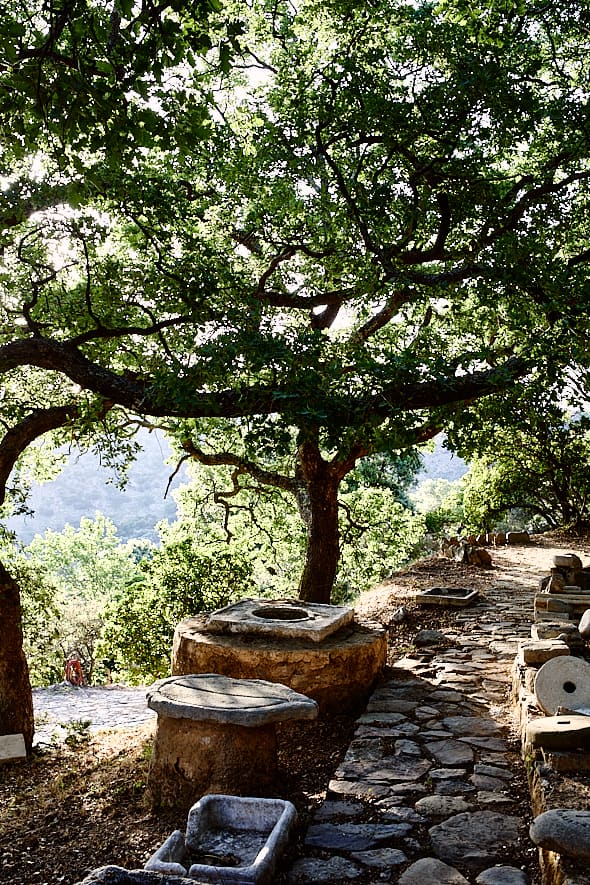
(518, 538)
(584, 625)
(484, 782)
(399, 814)
(353, 837)
(476, 839)
(559, 732)
(382, 858)
(284, 618)
(209, 697)
(536, 652)
(438, 806)
(564, 630)
(428, 637)
(567, 561)
(400, 768)
(502, 876)
(492, 771)
(334, 809)
(445, 774)
(407, 748)
(191, 759)
(357, 790)
(338, 673)
(450, 753)
(553, 583)
(453, 788)
(12, 748)
(429, 871)
(470, 725)
(565, 830)
(563, 682)
(312, 869)
(487, 798)
(113, 875)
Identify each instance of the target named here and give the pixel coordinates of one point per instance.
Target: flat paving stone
(450, 753)
(383, 858)
(353, 837)
(476, 840)
(430, 871)
(438, 806)
(502, 875)
(312, 869)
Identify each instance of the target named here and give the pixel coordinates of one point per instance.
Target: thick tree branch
(215, 459)
(19, 437)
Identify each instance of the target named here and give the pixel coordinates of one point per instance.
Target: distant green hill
(84, 486)
(442, 464)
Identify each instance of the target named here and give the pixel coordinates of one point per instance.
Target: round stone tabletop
(209, 697)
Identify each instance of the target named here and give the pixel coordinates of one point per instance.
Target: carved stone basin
(317, 650)
(282, 618)
(447, 596)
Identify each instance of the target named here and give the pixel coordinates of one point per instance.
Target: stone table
(216, 734)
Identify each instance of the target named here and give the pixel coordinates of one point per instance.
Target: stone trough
(453, 597)
(229, 839)
(318, 650)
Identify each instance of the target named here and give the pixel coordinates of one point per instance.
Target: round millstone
(563, 682)
(565, 830)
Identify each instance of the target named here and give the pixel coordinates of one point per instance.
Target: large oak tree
(373, 216)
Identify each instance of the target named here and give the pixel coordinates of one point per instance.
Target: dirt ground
(75, 807)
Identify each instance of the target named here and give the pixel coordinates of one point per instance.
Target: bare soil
(73, 808)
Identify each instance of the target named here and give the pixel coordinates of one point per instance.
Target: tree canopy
(297, 234)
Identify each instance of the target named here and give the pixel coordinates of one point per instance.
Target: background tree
(179, 581)
(384, 219)
(532, 454)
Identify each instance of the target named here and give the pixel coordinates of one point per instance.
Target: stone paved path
(111, 706)
(430, 790)
(426, 793)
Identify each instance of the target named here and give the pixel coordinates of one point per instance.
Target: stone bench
(216, 734)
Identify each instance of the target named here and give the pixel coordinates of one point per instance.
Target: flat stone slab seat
(216, 734)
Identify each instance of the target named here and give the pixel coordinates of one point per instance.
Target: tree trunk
(16, 700)
(320, 514)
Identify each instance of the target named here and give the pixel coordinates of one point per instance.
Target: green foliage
(66, 580)
(533, 455)
(85, 563)
(383, 220)
(441, 503)
(178, 582)
(41, 619)
(379, 535)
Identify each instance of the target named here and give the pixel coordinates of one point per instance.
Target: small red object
(74, 672)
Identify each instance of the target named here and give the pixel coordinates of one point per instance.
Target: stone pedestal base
(338, 672)
(191, 759)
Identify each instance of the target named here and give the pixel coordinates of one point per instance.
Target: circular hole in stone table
(570, 687)
(281, 613)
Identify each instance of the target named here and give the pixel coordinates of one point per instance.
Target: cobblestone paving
(426, 793)
(60, 707)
